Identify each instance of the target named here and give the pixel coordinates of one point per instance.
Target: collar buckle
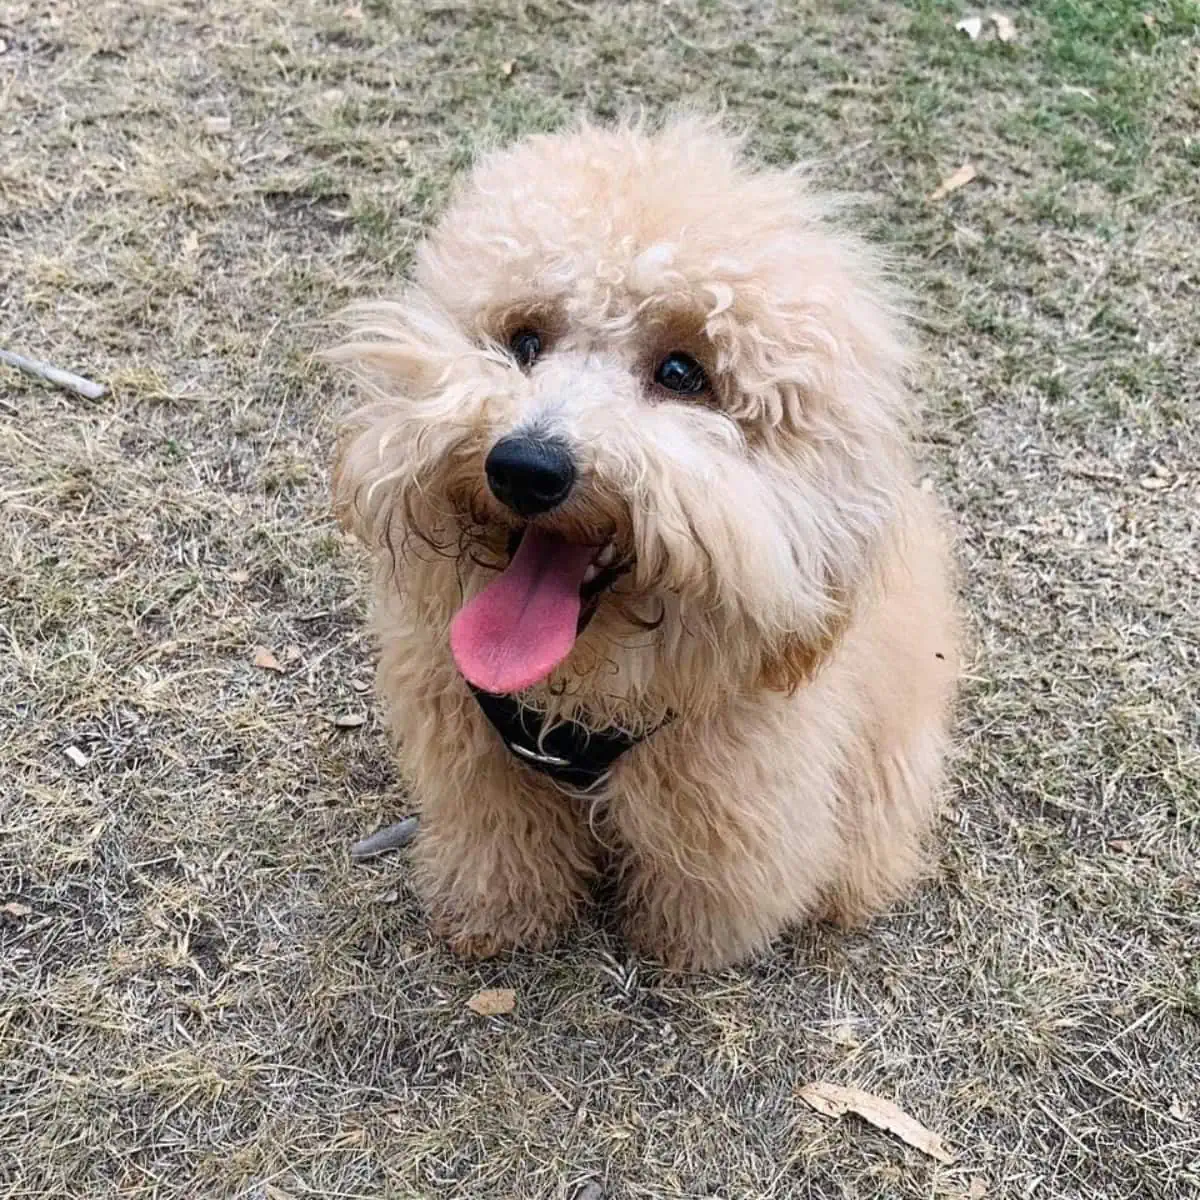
(541, 760)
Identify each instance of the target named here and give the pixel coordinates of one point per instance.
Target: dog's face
(637, 424)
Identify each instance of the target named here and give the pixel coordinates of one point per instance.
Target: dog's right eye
(526, 345)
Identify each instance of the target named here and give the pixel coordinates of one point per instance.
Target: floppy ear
(384, 358)
(362, 502)
(795, 660)
(788, 667)
(348, 485)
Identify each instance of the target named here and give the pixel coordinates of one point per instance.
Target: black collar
(569, 753)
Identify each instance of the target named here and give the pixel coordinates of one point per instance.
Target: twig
(392, 837)
(340, 607)
(63, 379)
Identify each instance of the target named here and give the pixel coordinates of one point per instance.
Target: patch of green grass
(1093, 74)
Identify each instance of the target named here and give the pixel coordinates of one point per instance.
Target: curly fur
(787, 597)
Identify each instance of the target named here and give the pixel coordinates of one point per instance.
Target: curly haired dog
(655, 590)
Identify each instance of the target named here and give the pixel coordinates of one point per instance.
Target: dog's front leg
(501, 860)
(719, 860)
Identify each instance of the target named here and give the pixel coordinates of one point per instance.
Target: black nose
(530, 475)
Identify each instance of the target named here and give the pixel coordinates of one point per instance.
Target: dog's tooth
(606, 556)
(591, 573)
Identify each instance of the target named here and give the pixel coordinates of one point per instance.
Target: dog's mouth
(600, 574)
(523, 624)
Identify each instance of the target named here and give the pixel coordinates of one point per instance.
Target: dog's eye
(680, 372)
(526, 345)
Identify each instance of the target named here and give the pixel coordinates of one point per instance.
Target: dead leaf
(1154, 483)
(15, 909)
(971, 26)
(350, 720)
(216, 126)
(77, 756)
(3, 45)
(265, 660)
(831, 1100)
(954, 181)
(1120, 845)
(493, 1002)
(1149, 20)
(239, 576)
(507, 68)
(977, 1188)
(1006, 31)
(1179, 1109)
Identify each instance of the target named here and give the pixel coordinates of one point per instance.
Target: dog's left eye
(526, 345)
(680, 372)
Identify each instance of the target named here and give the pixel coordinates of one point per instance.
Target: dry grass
(200, 995)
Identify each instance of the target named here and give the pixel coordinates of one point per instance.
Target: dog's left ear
(788, 667)
(792, 663)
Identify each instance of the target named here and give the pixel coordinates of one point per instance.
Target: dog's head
(637, 425)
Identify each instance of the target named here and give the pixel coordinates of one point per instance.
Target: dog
(657, 597)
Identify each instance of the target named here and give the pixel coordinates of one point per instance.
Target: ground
(201, 995)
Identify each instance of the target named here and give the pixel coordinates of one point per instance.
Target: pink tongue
(519, 628)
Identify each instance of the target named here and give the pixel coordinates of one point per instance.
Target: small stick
(64, 379)
(391, 837)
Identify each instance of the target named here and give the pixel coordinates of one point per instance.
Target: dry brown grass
(200, 995)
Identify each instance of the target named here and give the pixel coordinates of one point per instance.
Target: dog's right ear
(359, 476)
(384, 355)
(396, 350)
(345, 488)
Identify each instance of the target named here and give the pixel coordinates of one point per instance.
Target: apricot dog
(655, 590)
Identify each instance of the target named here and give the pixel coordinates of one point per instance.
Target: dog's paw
(689, 930)
(475, 944)
(472, 946)
(675, 953)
